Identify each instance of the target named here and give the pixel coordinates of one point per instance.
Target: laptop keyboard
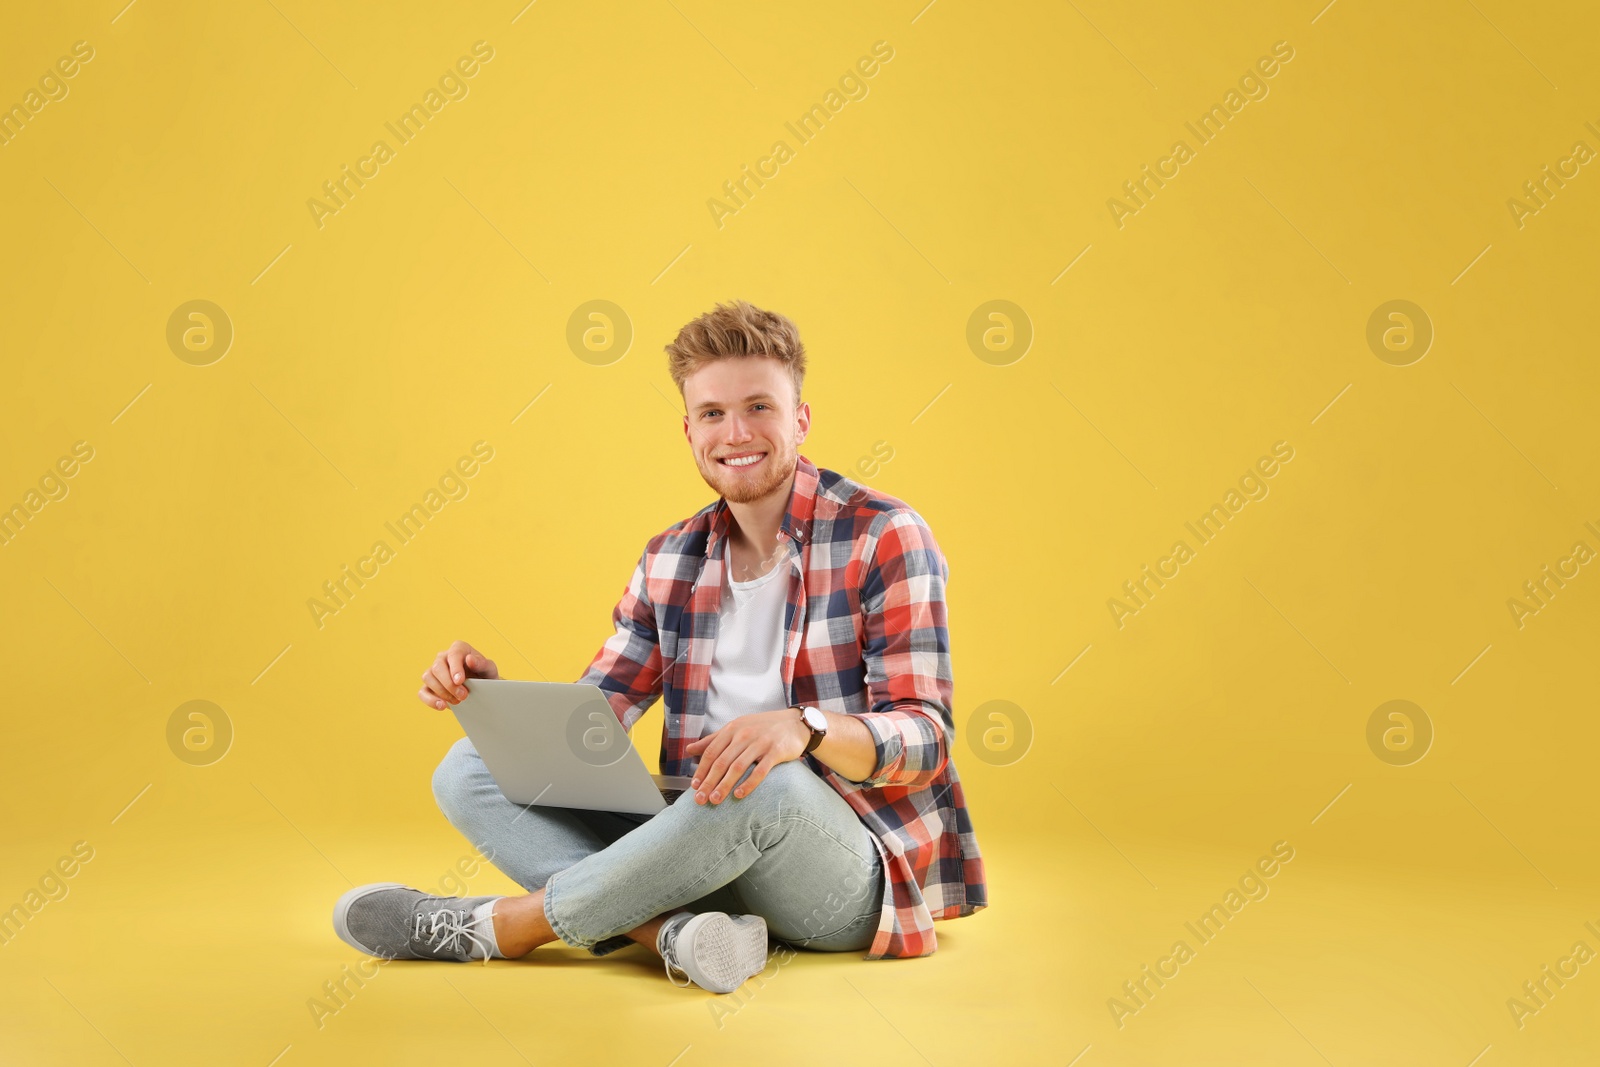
(670, 788)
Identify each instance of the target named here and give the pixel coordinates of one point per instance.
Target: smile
(743, 461)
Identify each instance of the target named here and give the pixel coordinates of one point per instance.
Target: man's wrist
(813, 724)
(805, 734)
(847, 747)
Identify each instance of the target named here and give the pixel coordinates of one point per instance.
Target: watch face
(815, 719)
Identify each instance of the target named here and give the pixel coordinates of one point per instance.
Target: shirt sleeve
(628, 666)
(907, 653)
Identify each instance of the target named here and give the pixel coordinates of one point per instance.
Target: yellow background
(428, 313)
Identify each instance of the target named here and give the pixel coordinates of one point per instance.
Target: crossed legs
(792, 852)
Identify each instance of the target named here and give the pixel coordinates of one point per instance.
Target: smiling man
(796, 628)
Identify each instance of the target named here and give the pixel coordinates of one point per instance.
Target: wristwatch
(816, 722)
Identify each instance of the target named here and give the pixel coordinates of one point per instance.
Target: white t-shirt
(747, 658)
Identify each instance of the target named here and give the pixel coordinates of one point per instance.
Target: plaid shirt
(867, 636)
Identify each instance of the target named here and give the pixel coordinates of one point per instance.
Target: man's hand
(443, 681)
(762, 738)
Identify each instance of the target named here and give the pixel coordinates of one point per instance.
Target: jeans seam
(631, 923)
(784, 817)
(556, 926)
(657, 910)
(566, 935)
(823, 831)
(800, 816)
(859, 920)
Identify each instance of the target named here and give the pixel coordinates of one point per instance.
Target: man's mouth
(741, 462)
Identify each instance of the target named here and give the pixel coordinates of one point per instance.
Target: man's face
(744, 408)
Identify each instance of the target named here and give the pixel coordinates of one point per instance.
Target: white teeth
(744, 462)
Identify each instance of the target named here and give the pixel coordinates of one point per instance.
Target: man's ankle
(520, 925)
(649, 934)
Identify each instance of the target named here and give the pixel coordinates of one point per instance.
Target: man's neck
(756, 524)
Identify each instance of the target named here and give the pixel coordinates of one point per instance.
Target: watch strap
(816, 735)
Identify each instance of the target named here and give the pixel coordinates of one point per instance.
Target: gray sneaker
(392, 921)
(714, 950)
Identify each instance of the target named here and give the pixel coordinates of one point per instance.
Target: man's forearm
(849, 748)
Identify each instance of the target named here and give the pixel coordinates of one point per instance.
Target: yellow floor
(502, 285)
(199, 933)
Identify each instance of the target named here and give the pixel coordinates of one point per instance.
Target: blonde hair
(729, 331)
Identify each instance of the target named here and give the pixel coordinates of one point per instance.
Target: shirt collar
(796, 518)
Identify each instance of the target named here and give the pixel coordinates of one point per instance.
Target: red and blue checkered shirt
(867, 636)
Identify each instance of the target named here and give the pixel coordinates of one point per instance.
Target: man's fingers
(712, 746)
(458, 668)
(708, 775)
(714, 743)
(457, 672)
(721, 786)
(444, 682)
(483, 668)
(434, 684)
(735, 771)
(441, 681)
(757, 773)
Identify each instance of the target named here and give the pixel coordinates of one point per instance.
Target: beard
(746, 486)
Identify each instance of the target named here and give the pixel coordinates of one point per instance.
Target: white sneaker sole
(721, 952)
(341, 911)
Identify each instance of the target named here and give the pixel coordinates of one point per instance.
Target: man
(797, 629)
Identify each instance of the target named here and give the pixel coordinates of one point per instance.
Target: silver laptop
(559, 744)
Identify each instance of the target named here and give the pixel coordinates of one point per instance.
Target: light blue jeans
(792, 852)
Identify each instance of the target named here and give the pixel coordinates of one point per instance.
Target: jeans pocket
(857, 934)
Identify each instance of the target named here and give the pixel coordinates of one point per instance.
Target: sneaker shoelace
(449, 928)
(669, 956)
